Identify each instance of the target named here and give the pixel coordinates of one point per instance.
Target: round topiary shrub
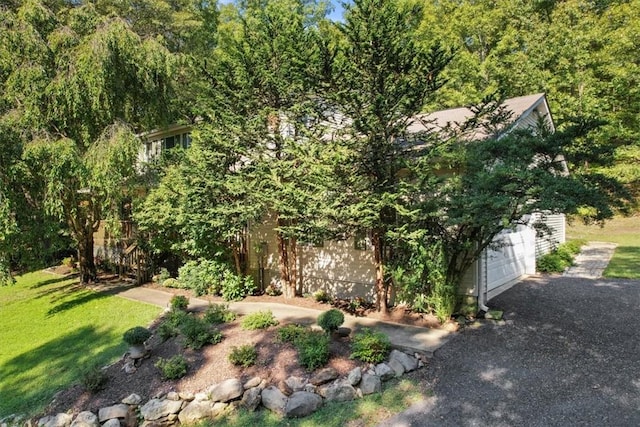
(136, 335)
(331, 320)
(179, 302)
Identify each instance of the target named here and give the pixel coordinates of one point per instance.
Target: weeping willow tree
(79, 86)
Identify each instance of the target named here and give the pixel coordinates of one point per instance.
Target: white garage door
(515, 258)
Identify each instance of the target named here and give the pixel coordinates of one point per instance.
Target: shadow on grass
(53, 280)
(29, 380)
(76, 295)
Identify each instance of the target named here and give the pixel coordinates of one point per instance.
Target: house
(345, 268)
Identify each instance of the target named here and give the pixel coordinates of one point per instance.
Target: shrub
(172, 283)
(370, 346)
(175, 317)
(244, 355)
(551, 263)
(93, 378)
(136, 335)
(313, 350)
(236, 287)
(162, 276)
(443, 300)
(167, 330)
(259, 320)
(197, 333)
(273, 291)
(179, 302)
(69, 262)
(331, 320)
(321, 296)
(203, 277)
(219, 313)
(173, 368)
(291, 333)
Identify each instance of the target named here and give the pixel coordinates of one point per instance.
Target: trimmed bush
(331, 320)
(93, 378)
(219, 313)
(313, 350)
(292, 333)
(197, 333)
(136, 335)
(167, 330)
(258, 320)
(370, 346)
(235, 287)
(245, 355)
(173, 368)
(179, 302)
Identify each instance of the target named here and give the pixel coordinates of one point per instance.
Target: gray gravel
(567, 354)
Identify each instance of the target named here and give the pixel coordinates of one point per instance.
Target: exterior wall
(557, 228)
(335, 266)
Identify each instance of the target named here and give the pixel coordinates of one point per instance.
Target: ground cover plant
(53, 328)
(625, 231)
(258, 320)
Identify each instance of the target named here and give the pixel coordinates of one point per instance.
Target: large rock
(110, 412)
(132, 399)
(195, 411)
(324, 376)
(156, 409)
(86, 419)
(273, 399)
(409, 363)
(338, 391)
(370, 384)
(251, 398)
(301, 404)
(396, 366)
(59, 420)
(384, 371)
(226, 390)
(253, 382)
(113, 422)
(296, 383)
(355, 375)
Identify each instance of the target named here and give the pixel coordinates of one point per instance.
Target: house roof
(520, 108)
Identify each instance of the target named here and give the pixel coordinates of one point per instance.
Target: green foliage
(236, 287)
(330, 320)
(443, 300)
(163, 276)
(292, 333)
(198, 333)
(136, 335)
(273, 291)
(93, 378)
(219, 313)
(245, 355)
(68, 262)
(179, 302)
(167, 330)
(258, 320)
(173, 368)
(560, 258)
(172, 283)
(313, 350)
(322, 296)
(370, 346)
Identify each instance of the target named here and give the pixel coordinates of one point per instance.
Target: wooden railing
(134, 262)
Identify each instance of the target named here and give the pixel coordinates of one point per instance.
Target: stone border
(294, 397)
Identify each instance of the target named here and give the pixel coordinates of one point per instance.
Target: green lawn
(623, 231)
(51, 329)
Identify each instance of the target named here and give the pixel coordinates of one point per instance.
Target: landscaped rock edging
(294, 397)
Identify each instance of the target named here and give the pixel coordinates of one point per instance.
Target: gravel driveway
(567, 354)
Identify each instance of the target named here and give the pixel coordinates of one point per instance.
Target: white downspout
(482, 282)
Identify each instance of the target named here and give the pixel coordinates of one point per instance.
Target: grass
(52, 329)
(397, 396)
(623, 231)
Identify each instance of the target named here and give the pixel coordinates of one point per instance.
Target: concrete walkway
(592, 260)
(404, 337)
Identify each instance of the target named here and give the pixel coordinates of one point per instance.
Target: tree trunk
(293, 268)
(283, 263)
(88, 273)
(381, 294)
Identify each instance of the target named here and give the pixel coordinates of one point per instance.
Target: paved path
(409, 338)
(592, 260)
(565, 355)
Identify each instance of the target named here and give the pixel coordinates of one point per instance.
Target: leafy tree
(382, 80)
(75, 83)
